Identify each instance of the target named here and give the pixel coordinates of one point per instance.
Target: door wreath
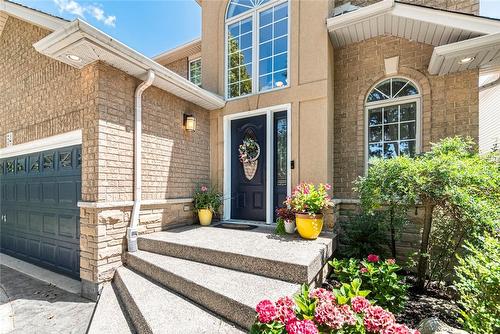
(249, 154)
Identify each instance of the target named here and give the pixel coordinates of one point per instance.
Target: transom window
(256, 46)
(393, 108)
(195, 71)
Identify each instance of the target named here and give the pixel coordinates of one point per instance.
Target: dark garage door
(39, 214)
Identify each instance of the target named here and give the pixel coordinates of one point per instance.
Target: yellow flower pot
(205, 216)
(309, 226)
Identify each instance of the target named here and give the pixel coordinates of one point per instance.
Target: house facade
(314, 88)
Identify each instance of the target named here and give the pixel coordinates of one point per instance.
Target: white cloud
(96, 11)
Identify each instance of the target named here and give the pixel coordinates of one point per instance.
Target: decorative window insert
(21, 165)
(195, 71)
(10, 167)
(48, 161)
(34, 164)
(257, 42)
(393, 126)
(65, 159)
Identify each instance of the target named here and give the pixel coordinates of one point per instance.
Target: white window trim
(389, 102)
(44, 144)
(269, 112)
(189, 68)
(255, 48)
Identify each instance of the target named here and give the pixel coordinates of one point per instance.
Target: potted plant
(308, 202)
(286, 217)
(206, 202)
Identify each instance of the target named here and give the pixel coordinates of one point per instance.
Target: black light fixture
(189, 123)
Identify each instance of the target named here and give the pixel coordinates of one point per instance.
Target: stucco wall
(464, 6)
(309, 72)
(449, 103)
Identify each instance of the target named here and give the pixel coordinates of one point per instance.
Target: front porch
(219, 273)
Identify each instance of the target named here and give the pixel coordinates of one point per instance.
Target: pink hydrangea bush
(321, 311)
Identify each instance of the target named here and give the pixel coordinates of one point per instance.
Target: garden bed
(433, 302)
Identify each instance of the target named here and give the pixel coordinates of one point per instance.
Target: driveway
(28, 305)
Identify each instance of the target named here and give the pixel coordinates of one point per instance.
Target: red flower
(301, 327)
(330, 315)
(266, 311)
(363, 270)
(323, 295)
(373, 258)
(359, 304)
(204, 188)
(377, 319)
(398, 329)
(349, 316)
(390, 261)
(284, 310)
(328, 187)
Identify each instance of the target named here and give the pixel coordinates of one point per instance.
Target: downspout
(134, 221)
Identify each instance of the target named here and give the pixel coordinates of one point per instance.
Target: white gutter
(134, 221)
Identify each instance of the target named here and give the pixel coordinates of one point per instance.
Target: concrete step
(110, 316)
(154, 309)
(228, 293)
(258, 251)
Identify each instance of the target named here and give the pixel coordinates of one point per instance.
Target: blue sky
(152, 27)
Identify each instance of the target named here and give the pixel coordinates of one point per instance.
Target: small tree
(451, 177)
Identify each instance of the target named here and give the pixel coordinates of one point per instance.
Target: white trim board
(269, 111)
(44, 144)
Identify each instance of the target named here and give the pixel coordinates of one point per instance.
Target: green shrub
(380, 277)
(478, 283)
(364, 234)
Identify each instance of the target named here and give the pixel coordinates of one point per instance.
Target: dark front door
(248, 168)
(40, 220)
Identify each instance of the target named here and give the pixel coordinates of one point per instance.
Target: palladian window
(393, 109)
(256, 46)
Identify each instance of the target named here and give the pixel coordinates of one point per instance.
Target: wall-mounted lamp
(189, 123)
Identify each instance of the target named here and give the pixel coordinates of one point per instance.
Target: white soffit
(181, 51)
(90, 44)
(30, 15)
(456, 36)
(483, 52)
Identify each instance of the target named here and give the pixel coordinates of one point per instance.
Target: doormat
(232, 226)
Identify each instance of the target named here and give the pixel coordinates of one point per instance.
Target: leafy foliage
(365, 234)
(350, 290)
(308, 198)
(380, 277)
(478, 283)
(451, 177)
(207, 198)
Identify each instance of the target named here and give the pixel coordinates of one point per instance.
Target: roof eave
(78, 34)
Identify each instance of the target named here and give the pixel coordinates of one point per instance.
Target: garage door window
(34, 164)
(48, 162)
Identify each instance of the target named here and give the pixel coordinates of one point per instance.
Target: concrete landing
(258, 251)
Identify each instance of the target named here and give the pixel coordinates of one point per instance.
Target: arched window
(393, 119)
(256, 46)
